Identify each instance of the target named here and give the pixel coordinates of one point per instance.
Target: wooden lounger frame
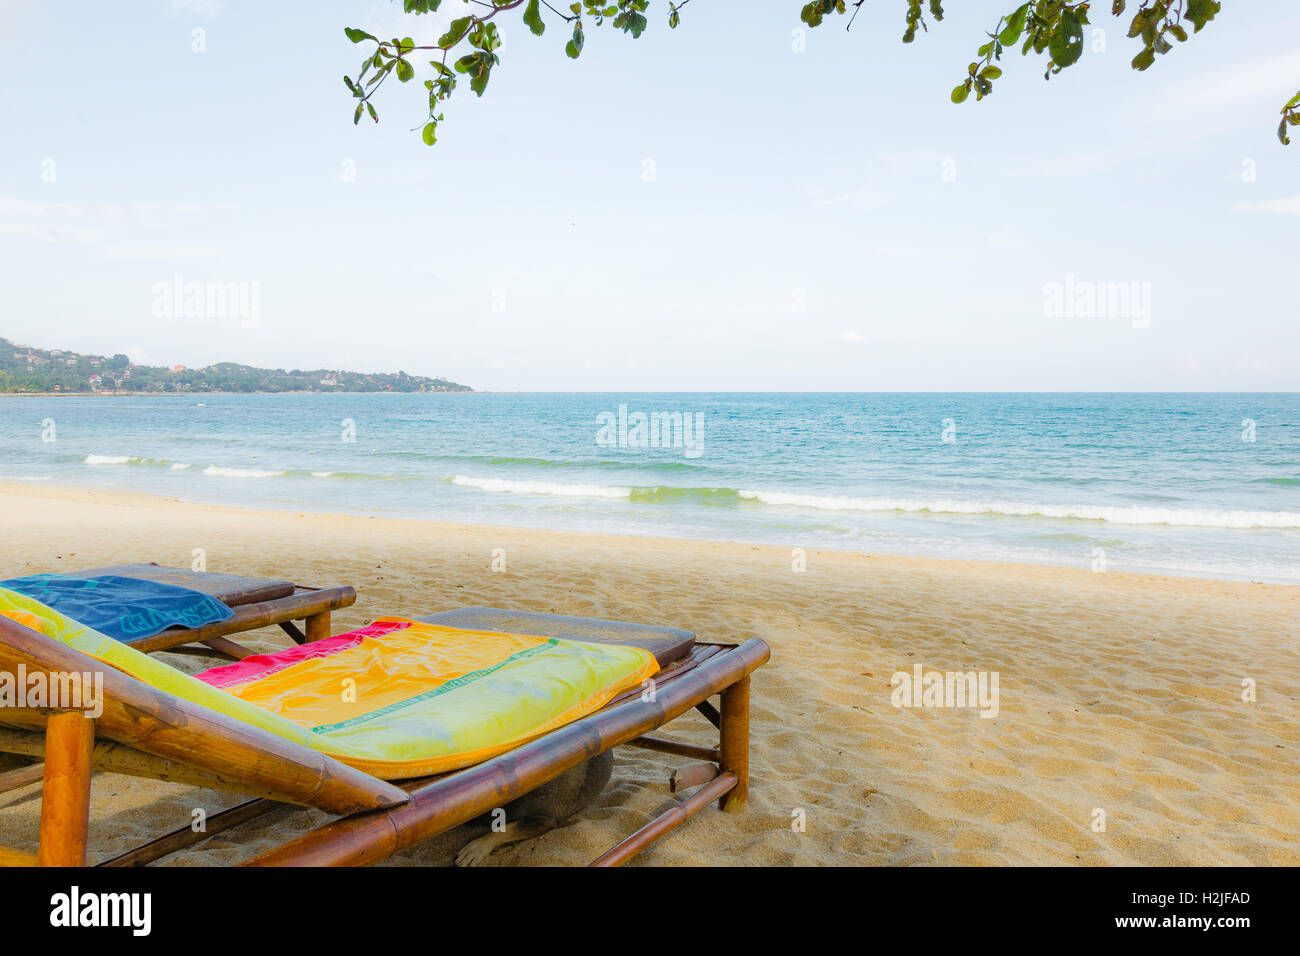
(148, 733)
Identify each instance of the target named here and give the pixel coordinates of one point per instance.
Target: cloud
(204, 8)
(1282, 206)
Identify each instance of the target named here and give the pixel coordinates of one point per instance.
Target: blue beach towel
(126, 609)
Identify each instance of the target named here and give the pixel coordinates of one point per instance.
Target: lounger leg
(65, 798)
(734, 747)
(318, 626)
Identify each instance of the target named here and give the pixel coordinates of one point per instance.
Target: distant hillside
(26, 369)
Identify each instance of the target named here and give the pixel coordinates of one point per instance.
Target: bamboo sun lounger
(144, 731)
(257, 602)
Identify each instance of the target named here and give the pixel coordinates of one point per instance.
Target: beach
(1120, 693)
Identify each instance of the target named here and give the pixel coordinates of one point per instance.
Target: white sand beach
(1120, 693)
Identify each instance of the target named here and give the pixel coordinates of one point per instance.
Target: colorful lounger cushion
(126, 609)
(396, 699)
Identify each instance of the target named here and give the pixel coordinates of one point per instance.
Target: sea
(1185, 484)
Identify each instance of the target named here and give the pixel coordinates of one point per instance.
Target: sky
(734, 205)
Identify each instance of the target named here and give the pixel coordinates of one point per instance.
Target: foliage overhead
(1054, 28)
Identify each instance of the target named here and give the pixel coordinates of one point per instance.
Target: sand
(1117, 693)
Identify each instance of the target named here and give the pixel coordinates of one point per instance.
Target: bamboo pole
(674, 747)
(710, 712)
(112, 757)
(184, 837)
(318, 626)
(368, 838)
(11, 857)
(65, 795)
(22, 777)
(666, 823)
(692, 775)
(734, 748)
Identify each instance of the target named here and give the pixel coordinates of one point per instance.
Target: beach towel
(396, 699)
(126, 609)
(428, 698)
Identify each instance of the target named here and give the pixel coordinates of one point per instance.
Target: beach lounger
(257, 602)
(192, 732)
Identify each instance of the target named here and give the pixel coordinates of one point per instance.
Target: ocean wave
(240, 472)
(25, 477)
(510, 461)
(672, 494)
(179, 466)
(1112, 514)
(123, 460)
(508, 486)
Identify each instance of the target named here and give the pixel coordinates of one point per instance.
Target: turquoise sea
(1199, 484)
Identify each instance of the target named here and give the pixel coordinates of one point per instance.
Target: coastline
(188, 394)
(1118, 691)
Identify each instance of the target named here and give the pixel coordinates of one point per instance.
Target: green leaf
(533, 17)
(1066, 43)
(1201, 12)
(1144, 59)
(960, 92)
(1293, 103)
(455, 32)
(373, 115)
(429, 135)
(356, 117)
(404, 71)
(479, 81)
(1015, 25)
(356, 36)
(990, 72)
(574, 47)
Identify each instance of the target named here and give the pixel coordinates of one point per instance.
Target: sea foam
(1113, 514)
